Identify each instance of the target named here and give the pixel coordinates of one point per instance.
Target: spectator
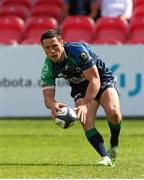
(116, 8)
(80, 7)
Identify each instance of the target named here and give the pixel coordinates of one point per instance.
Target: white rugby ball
(66, 117)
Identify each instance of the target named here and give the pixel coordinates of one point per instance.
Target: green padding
(114, 126)
(91, 132)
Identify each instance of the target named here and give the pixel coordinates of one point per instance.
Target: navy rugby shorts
(79, 90)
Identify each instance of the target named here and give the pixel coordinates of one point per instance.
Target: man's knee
(115, 115)
(90, 123)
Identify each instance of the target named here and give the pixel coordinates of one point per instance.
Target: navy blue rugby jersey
(78, 58)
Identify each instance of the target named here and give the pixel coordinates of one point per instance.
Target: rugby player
(92, 84)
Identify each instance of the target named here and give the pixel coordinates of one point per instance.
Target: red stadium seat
(34, 26)
(49, 3)
(111, 29)
(107, 42)
(7, 41)
(25, 3)
(31, 41)
(138, 13)
(14, 10)
(43, 10)
(138, 3)
(74, 40)
(78, 28)
(136, 30)
(11, 28)
(135, 41)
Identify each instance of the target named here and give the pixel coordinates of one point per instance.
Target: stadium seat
(111, 29)
(136, 30)
(138, 13)
(138, 3)
(25, 3)
(14, 10)
(43, 10)
(71, 39)
(11, 28)
(34, 26)
(30, 41)
(4, 41)
(49, 3)
(107, 42)
(78, 28)
(135, 41)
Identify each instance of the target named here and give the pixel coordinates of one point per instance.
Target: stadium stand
(34, 26)
(138, 13)
(26, 3)
(30, 41)
(4, 41)
(14, 10)
(107, 42)
(50, 11)
(11, 29)
(37, 16)
(50, 3)
(136, 31)
(135, 41)
(78, 28)
(138, 3)
(110, 29)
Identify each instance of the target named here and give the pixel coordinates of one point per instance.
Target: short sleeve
(83, 58)
(47, 78)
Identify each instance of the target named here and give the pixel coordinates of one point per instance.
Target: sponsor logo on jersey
(44, 70)
(84, 57)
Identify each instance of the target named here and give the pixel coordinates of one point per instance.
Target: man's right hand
(55, 107)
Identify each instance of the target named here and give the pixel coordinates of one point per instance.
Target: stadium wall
(21, 95)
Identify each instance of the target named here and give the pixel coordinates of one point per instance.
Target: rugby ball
(66, 117)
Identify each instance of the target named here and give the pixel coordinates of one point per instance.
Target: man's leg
(92, 134)
(110, 102)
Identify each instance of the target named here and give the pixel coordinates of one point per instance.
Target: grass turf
(40, 149)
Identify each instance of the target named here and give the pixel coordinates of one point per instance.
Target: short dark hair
(50, 34)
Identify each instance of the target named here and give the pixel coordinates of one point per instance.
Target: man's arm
(50, 102)
(49, 95)
(92, 75)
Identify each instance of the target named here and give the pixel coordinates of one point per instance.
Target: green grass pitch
(40, 149)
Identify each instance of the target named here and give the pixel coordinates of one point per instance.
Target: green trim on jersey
(47, 78)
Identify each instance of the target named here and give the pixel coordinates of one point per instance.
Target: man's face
(54, 49)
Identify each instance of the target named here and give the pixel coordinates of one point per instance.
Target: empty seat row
(29, 4)
(78, 28)
(74, 28)
(11, 28)
(25, 8)
(104, 31)
(14, 28)
(16, 10)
